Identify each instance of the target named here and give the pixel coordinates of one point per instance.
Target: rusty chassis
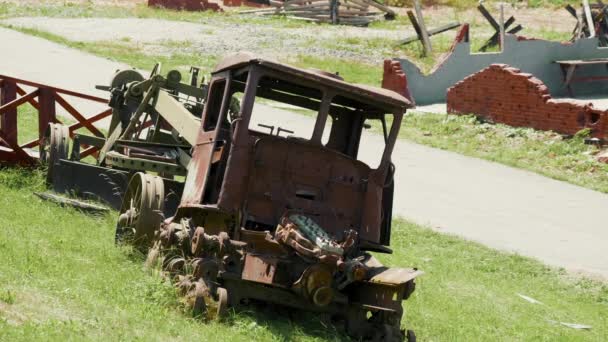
(281, 217)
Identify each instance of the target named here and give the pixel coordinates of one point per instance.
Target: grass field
(63, 279)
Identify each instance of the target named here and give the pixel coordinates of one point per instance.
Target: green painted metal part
(315, 233)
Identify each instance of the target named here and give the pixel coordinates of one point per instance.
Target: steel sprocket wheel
(141, 210)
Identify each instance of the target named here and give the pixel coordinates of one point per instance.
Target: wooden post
(47, 110)
(502, 27)
(590, 24)
(426, 42)
(8, 120)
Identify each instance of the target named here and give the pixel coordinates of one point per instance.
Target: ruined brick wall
(394, 79)
(186, 5)
(506, 95)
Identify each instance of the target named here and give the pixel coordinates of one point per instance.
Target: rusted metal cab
(240, 168)
(284, 214)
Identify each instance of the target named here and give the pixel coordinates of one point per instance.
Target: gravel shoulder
(218, 37)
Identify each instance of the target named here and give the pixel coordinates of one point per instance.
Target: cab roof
(373, 94)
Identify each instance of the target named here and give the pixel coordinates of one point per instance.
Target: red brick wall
(506, 95)
(394, 79)
(185, 5)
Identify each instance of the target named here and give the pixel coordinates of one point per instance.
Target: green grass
(543, 152)
(62, 278)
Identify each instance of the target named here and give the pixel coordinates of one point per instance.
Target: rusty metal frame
(44, 99)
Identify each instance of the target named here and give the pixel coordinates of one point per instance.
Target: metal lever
(271, 128)
(283, 130)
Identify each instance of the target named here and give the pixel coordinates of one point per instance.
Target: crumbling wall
(394, 79)
(534, 56)
(506, 95)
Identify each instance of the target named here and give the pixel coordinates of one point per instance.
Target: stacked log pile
(347, 12)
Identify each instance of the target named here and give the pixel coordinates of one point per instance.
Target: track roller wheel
(141, 211)
(410, 336)
(55, 145)
(388, 333)
(222, 302)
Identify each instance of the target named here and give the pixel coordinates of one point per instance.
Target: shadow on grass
(285, 323)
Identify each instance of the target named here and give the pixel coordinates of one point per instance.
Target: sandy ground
(502, 207)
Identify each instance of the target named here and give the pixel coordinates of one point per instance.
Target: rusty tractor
(285, 215)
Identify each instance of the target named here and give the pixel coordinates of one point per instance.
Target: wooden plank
(590, 24)
(308, 19)
(488, 17)
(299, 2)
(496, 36)
(65, 201)
(381, 7)
(501, 41)
(18, 102)
(33, 102)
(515, 29)
(76, 114)
(571, 10)
(351, 5)
(305, 7)
(58, 90)
(433, 32)
(583, 61)
(426, 42)
(92, 119)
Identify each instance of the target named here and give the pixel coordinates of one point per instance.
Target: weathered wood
(499, 28)
(494, 39)
(350, 4)
(354, 12)
(299, 2)
(432, 32)
(307, 8)
(488, 17)
(63, 201)
(426, 42)
(502, 26)
(590, 24)
(571, 10)
(260, 10)
(380, 7)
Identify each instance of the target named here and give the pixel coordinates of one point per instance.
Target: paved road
(502, 207)
(41, 61)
